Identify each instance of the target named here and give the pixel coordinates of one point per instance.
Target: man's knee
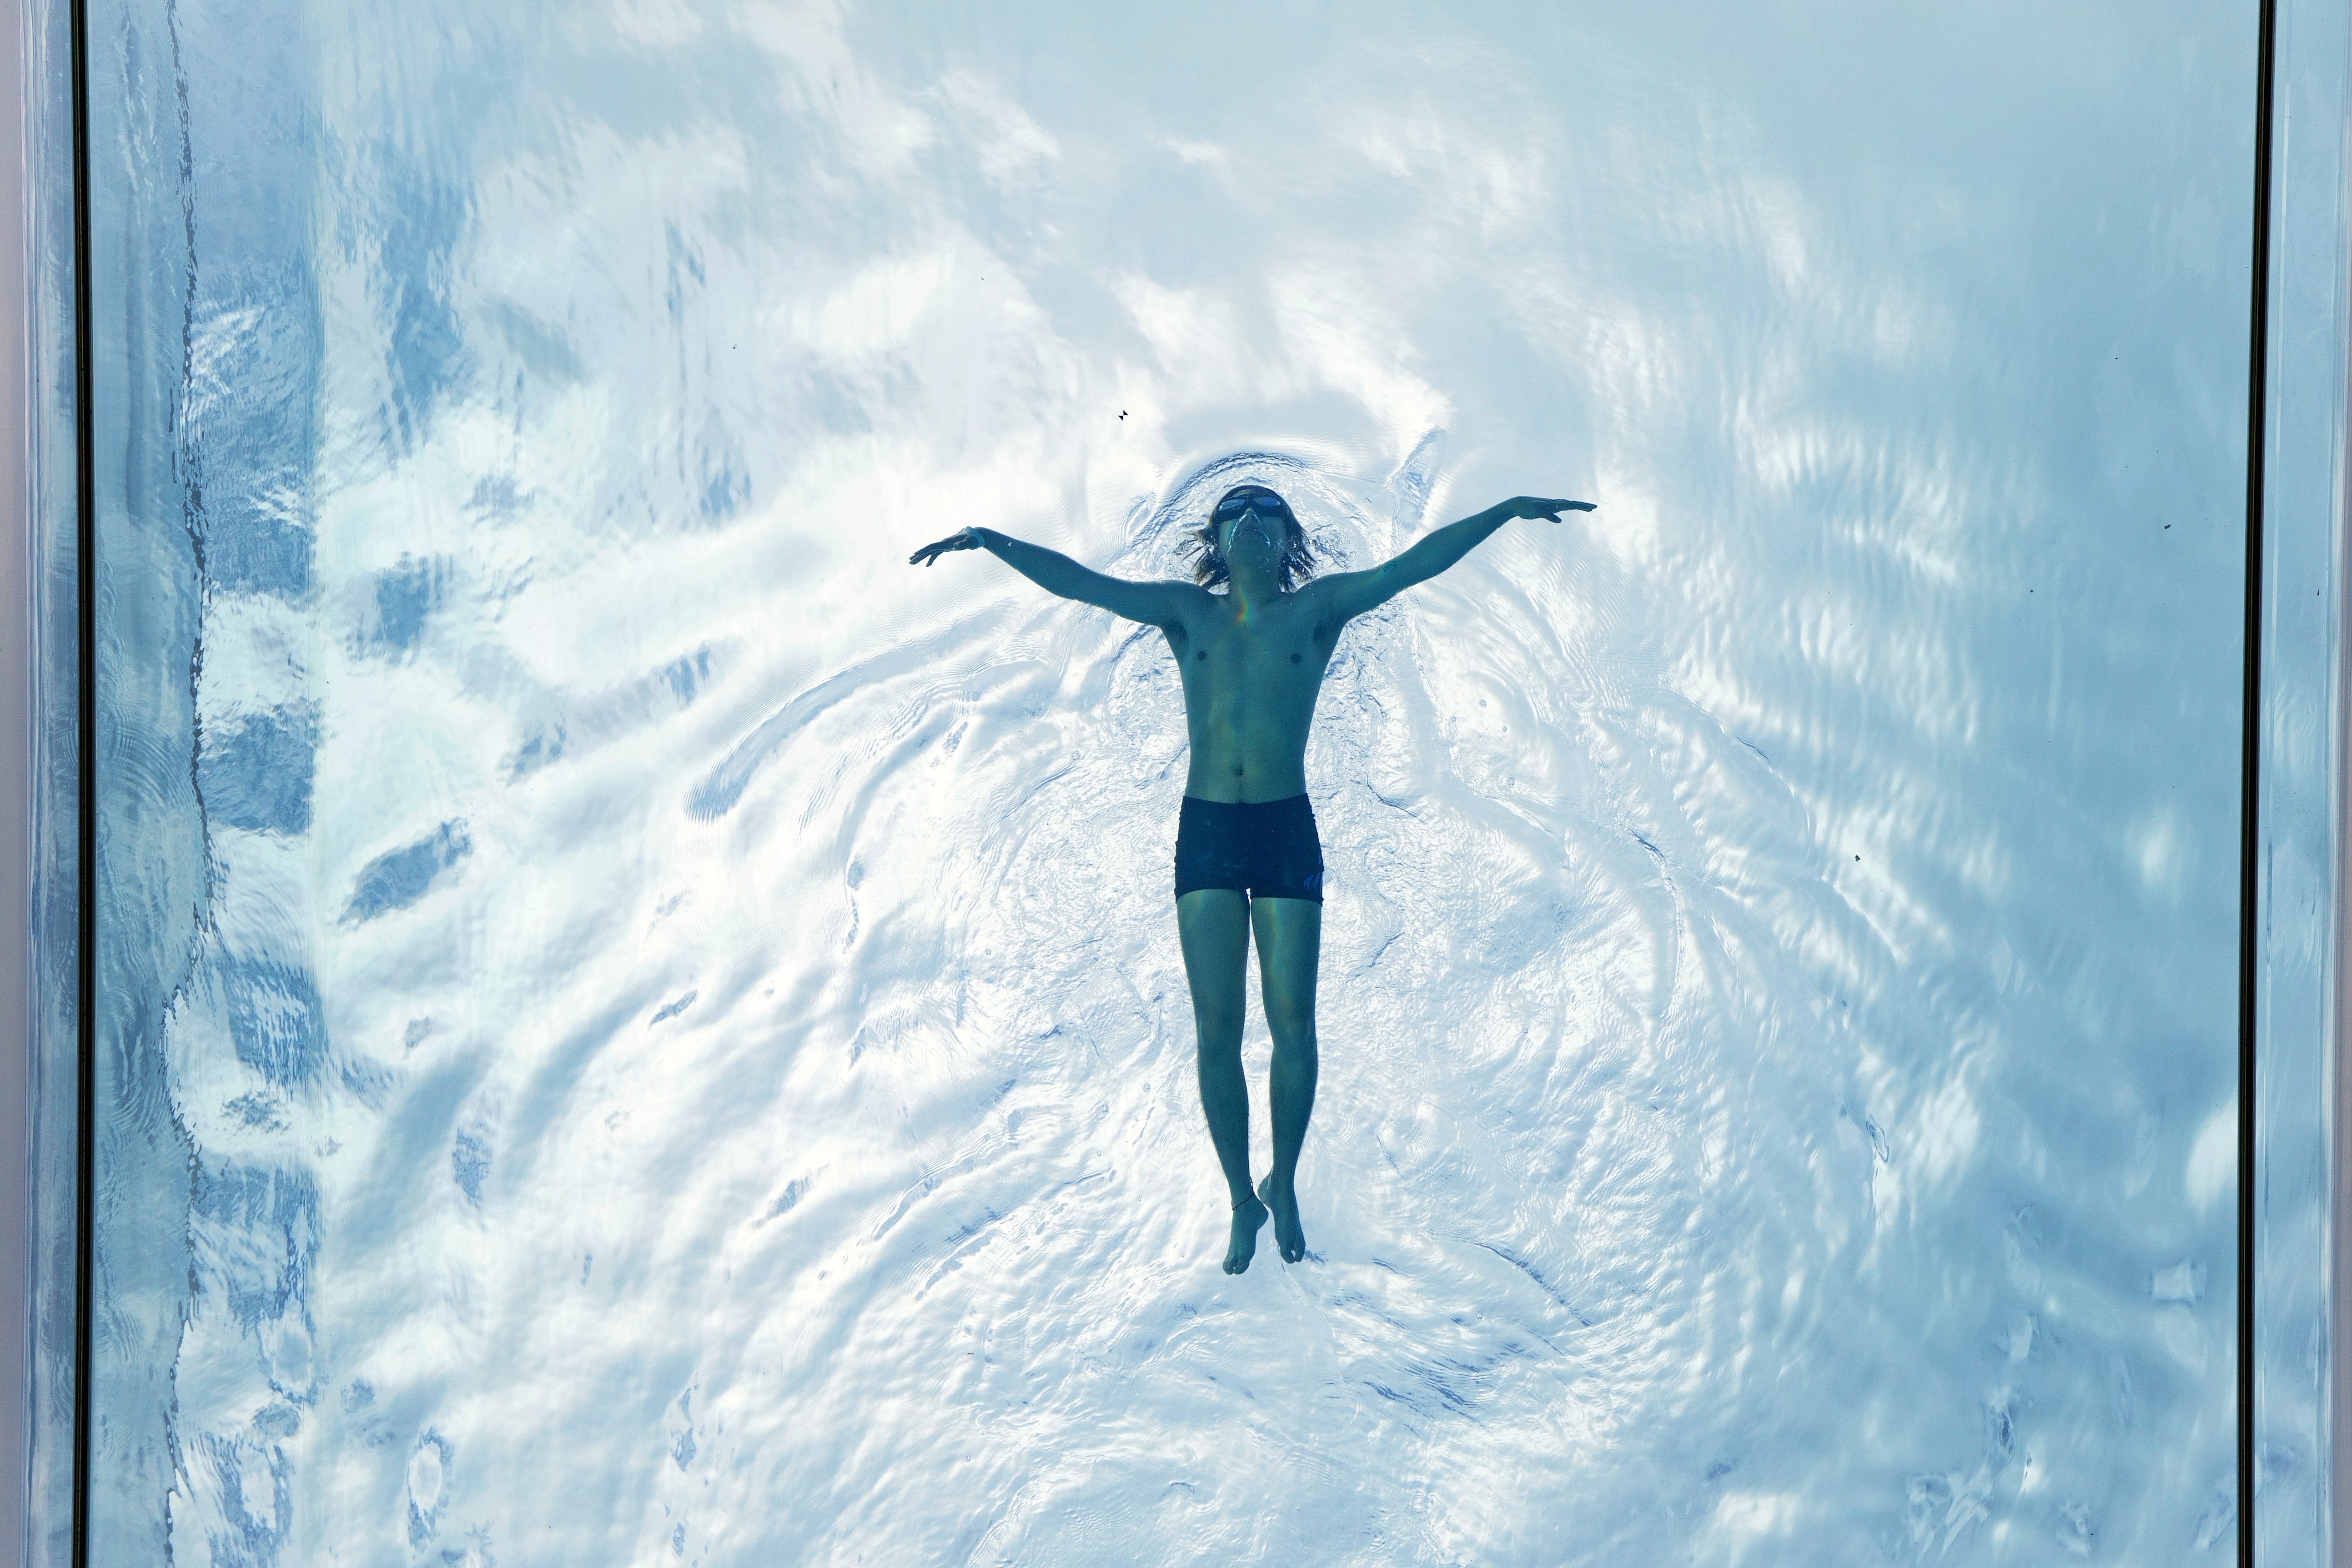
(1219, 1032)
(1293, 1028)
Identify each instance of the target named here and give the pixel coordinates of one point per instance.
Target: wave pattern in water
(686, 1056)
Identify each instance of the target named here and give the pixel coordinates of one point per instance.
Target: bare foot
(1284, 1202)
(1248, 1215)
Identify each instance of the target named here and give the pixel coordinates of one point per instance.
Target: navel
(1203, 654)
(1294, 658)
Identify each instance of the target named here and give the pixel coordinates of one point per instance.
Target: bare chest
(1282, 652)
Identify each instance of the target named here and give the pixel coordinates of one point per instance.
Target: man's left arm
(1353, 593)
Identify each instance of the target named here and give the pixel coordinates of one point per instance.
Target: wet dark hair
(1209, 561)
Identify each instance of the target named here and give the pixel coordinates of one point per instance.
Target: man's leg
(1289, 943)
(1213, 925)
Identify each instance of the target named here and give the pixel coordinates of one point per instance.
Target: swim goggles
(1266, 502)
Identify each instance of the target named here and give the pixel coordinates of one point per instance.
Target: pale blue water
(675, 1018)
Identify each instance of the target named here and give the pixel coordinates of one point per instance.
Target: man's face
(1259, 534)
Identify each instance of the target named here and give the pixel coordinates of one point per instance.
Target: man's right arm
(1154, 604)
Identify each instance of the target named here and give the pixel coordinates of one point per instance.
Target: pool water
(675, 1019)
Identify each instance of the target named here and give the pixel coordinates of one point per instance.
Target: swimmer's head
(1257, 510)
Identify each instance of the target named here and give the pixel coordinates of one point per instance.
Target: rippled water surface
(684, 1055)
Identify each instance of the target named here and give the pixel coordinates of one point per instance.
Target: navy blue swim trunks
(1268, 849)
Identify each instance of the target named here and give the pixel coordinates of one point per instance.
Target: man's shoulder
(1182, 600)
(1188, 596)
(1339, 594)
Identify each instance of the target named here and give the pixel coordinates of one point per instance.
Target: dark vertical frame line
(2250, 799)
(86, 788)
(86, 901)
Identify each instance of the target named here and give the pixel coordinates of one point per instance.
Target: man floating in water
(1247, 857)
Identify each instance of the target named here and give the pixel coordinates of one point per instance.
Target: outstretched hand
(967, 540)
(1538, 506)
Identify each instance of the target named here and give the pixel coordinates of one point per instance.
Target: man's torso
(1250, 683)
